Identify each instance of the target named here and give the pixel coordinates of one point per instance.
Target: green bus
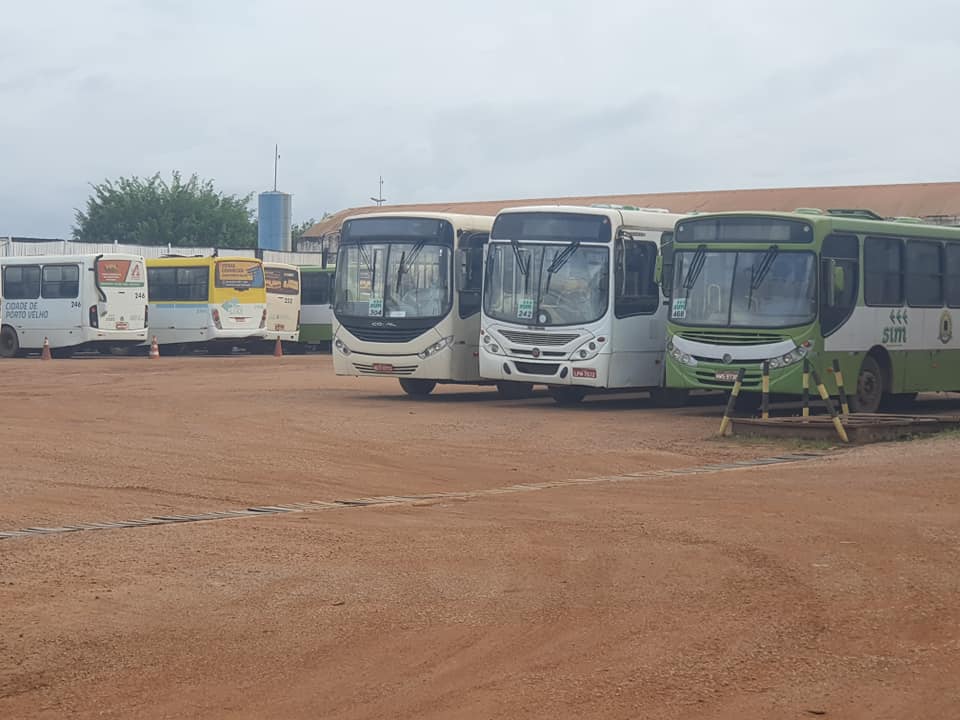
(316, 313)
(877, 295)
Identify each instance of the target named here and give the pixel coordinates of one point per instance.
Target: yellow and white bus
(77, 302)
(211, 302)
(283, 305)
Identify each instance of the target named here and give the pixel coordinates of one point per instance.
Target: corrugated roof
(907, 199)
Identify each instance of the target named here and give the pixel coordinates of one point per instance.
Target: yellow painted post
(806, 388)
(844, 406)
(837, 423)
(728, 411)
(765, 390)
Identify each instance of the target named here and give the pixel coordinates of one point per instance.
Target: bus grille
(395, 335)
(367, 369)
(539, 338)
(731, 338)
(538, 368)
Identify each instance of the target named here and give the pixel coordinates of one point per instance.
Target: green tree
(298, 229)
(152, 211)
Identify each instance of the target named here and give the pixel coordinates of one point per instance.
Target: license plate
(584, 372)
(122, 326)
(382, 367)
(726, 376)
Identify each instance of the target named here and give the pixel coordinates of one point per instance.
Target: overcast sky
(469, 101)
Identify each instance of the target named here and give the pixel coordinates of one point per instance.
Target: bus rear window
(281, 281)
(239, 274)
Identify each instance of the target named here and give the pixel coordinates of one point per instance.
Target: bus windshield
(393, 279)
(749, 289)
(546, 284)
(239, 274)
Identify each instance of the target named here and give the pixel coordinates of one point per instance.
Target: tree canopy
(152, 211)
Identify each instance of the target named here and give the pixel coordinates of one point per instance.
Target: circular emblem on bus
(535, 352)
(727, 359)
(946, 327)
(542, 318)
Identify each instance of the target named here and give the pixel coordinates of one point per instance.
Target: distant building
(933, 202)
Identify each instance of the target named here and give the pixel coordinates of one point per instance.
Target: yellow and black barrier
(806, 388)
(825, 396)
(734, 392)
(765, 391)
(844, 406)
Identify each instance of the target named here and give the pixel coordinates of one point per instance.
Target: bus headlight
(680, 356)
(341, 346)
(588, 350)
(488, 343)
(790, 358)
(436, 347)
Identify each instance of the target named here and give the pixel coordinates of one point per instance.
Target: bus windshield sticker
(376, 306)
(679, 309)
(525, 309)
(397, 313)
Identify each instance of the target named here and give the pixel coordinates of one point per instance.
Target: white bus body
(571, 300)
(75, 301)
(283, 302)
(407, 298)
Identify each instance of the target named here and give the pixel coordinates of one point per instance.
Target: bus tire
(868, 394)
(567, 395)
(9, 342)
(417, 388)
(514, 390)
(669, 397)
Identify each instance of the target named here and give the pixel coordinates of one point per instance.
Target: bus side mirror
(839, 278)
(836, 281)
(658, 270)
(463, 268)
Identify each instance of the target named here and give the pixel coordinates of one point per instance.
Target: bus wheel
(869, 391)
(9, 342)
(514, 390)
(417, 388)
(669, 397)
(568, 395)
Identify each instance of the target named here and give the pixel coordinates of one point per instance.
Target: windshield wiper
(696, 265)
(759, 272)
(559, 260)
(524, 269)
(404, 267)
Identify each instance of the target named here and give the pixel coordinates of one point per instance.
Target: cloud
(451, 101)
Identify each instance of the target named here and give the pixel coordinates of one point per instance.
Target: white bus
(571, 299)
(75, 301)
(283, 305)
(215, 303)
(407, 299)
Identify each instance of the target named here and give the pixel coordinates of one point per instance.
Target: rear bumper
(284, 336)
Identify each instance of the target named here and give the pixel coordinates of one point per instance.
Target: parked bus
(407, 300)
(316, 309)
(77, 302)
(571, 300)
(283, 306)
(878, 296)
(215, 303)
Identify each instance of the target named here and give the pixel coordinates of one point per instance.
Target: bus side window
(840, 251)
(60, 282)
(952, 267)
(21, 282)
(471, 277)
(883, 272)
(636, 293)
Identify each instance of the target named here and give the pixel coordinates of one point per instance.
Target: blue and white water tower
(274, 218)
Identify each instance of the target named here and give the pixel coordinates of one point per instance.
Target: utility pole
(380, 199)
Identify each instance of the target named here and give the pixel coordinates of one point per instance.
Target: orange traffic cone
(154, 348)
(278, 349)
(45, 354)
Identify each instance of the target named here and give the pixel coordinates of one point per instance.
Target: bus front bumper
(583, 373)
(717, 375)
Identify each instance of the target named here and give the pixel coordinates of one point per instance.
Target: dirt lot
(826, 587)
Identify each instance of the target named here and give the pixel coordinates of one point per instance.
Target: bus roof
(852, 221)
(651, 218)
(198, 260)
(280, 265)
(317, 268)
(52, 259)
(457, 218)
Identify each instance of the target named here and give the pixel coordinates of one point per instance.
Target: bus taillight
(263, 318)
(298, 319)
(94, 317)
(146, 312)
(216, 319)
